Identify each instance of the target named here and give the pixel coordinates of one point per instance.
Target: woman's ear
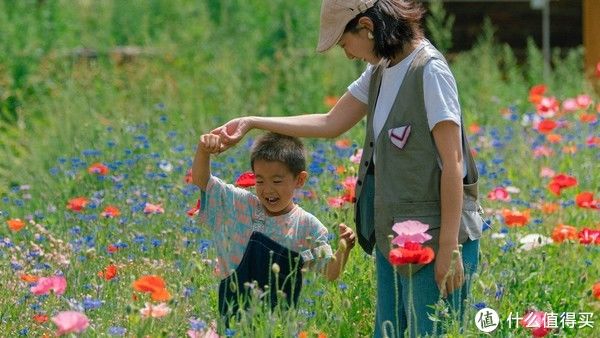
(301, 179)
(366, 23)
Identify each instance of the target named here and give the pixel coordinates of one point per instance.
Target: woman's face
(357, 45)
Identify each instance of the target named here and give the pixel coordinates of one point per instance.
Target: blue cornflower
(197, 324)
(480, 305)
(91, 304)
(117, 331)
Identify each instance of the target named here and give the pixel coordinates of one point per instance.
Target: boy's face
(275, 185)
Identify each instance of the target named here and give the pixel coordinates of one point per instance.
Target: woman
(412, 165)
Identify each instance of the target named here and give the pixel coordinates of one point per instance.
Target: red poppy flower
(160, 295)
(593, 141)
(111, 248)
(154, 285)
(111, 212)
(553, 138)
(514, 218)
(330, 101)
(40, 318)
(77, 204)
(561, 181)
(550, 208)
(109, 272)
(343, 143)
(589, 236)
(597, 73)
(98, 169)
(586, 199)
(15, 224)
(149, 283)
(547, 125)
(596, 287)
(188, 177)
(588, 118)
(536, 93)
(563, 232)
(474, 128)
(411, 253)
(29, 278)
(247, 179)
(536, 322)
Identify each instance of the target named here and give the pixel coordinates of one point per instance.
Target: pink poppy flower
(209, 333)
(499, 194)
(583, 101)
(410, 231)
(70, 322)
(544, 151)
(336, 202)
(548, 107)
(355, 158)
(547, 172)
(570, 105)
(44, 285)
(153, 209)
(155, 311)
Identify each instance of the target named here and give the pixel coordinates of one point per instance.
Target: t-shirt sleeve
(224, 205)
(441, 95)
(360, 87)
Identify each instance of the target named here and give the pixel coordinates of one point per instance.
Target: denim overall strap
(257, 266)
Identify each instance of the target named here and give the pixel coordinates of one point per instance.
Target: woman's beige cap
(335, 15)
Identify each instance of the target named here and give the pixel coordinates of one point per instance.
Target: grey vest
(406, 182)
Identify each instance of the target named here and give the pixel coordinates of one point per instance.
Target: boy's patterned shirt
(234, 213)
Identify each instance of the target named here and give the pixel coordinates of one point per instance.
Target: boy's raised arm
(208, 144)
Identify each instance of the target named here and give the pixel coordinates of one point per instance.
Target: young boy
(265, 238)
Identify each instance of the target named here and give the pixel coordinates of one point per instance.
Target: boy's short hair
(288, 150)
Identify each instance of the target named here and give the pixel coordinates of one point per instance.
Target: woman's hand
(449, 271)
(232, 132)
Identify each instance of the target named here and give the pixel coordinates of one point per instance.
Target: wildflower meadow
(101, 107)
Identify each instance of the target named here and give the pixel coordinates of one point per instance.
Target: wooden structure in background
(515, 21)
(591, 33)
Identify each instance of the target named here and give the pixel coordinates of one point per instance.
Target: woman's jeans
(425, 294)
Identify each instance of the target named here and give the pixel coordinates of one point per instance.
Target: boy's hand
(347, 234)
(210, 143)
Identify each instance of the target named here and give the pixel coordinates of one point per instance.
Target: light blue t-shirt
(234, 213)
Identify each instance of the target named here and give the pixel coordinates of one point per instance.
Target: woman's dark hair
(395, 22)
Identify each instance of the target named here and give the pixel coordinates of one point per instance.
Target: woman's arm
(343, 116)
(448, 143)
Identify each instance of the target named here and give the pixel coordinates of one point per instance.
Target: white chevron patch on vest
(399, 135)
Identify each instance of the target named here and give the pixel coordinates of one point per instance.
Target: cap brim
(332, 34)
